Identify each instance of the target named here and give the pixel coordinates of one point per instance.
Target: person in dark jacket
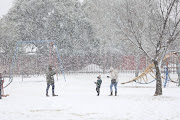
(98, 84)
(50, 80)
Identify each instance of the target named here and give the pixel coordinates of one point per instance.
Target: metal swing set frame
(52, 44)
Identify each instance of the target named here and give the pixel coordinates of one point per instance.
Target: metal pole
(166, 77)
(11, 70)
(54, 60)
(50, 54)
(60, 61)
(0, 88)
(21, 74)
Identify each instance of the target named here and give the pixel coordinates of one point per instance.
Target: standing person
(50, 80)
(98, 84)
(114, 80)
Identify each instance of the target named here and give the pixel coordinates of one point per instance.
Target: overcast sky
(5, 5)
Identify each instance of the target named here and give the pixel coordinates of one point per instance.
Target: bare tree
(152, 26)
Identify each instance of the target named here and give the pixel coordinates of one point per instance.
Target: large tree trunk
(158, 79)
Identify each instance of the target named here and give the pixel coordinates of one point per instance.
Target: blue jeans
(48, 85)
(115, 86)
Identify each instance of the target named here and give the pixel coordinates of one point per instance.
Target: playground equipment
(1, 87)
(49, 46)
(143, 76)
(168, 78)
(143, 79)
(172, 66)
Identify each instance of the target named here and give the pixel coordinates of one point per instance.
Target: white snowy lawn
(77, 100)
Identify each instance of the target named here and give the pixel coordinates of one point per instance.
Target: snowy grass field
(77, 100)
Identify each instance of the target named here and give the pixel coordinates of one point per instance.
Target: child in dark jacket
(98, 84)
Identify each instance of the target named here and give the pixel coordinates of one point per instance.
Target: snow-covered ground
(77, 100)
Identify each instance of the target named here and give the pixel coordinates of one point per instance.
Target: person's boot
(98, 94)
(47, 94)
(54, 94)
(111, 94)
(115, 93)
